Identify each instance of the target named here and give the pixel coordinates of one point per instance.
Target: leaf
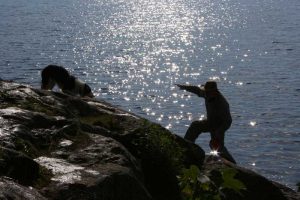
(230, 182)
(217, 197)
(203, 179)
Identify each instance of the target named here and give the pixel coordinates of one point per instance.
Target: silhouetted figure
(56, 75)
(218, 117)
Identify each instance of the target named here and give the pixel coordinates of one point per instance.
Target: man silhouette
(218, 117)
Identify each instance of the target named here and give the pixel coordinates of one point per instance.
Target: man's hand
(180, 86)
(193, 89)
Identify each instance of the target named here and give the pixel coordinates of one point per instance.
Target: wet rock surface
(55, 146)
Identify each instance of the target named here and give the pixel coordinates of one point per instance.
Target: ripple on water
(133, 52)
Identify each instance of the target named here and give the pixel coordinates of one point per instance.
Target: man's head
(211, 89)
(210, 86)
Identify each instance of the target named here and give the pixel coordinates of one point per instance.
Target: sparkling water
(132, 52)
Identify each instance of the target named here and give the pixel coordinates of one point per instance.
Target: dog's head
(87, 91)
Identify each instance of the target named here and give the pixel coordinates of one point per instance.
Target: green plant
(230, 182)
(196, 185)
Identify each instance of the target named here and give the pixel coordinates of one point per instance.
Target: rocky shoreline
(55, 146)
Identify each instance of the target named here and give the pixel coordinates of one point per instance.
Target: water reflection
(158, 43)
(133, 52)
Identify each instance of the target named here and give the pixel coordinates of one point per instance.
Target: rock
(256, 186)
(86, 146)
(105, 182)
(55, 146)
(18, 166)
(9, 189)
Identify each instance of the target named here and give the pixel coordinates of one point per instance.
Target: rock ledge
(55, 146)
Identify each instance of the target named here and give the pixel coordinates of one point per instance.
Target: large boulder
(237, 183)
(55, 146)
(71, 148)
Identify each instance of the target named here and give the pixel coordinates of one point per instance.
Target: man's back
(218, 111)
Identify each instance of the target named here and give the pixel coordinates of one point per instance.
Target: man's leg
(195, 129)
(224, 153)
(219, 137)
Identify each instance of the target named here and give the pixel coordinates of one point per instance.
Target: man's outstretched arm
(193, 89)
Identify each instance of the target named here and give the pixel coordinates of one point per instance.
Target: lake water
(132, 52)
